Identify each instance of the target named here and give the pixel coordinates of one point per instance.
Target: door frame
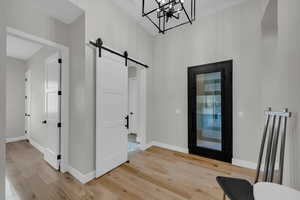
(64, 52)
(225, 68)
(141, 75)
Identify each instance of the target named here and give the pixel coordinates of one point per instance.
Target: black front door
(210, 110)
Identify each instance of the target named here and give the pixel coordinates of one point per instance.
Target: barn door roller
(99, 44)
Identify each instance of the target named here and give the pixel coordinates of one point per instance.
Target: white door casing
(52, 110)
(133, 105)
(111, 110)
(27, 104)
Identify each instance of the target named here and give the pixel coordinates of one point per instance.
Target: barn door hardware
(99, 44)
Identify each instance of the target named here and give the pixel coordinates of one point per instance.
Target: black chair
(240, 189)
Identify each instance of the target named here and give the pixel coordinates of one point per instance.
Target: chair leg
(224, 196)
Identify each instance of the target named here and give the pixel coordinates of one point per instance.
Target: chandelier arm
(194, 13)
(157, 2)
(162, 6)
(186, 13)
(154, 23)
(176, 17)
(164, 24)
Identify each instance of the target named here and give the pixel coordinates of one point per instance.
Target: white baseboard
(16, 139)
(37, 145)
(250, 165)
(146, 146)
(244, 163)
(83, 178)
(237, 162)
(166, 146)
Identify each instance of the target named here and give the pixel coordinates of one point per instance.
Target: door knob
(44, 122)
(131, 113)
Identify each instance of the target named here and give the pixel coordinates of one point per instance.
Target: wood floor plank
(151, 175)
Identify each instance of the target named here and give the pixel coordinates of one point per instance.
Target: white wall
(36, 64)
(233, 33)
(15, 99)
(266, 73)
(2, 97)
(120, 32)
(24, 16)
(288, 79)
(77, 94)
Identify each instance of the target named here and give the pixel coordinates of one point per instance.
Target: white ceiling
(63, 10)
(203, 8)
(20, 48)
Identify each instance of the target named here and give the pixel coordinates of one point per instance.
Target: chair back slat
(282, 149)
(272, 135)
(269, 148)
(262, 147)
(274, 151)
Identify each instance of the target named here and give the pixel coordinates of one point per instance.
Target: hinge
(59, 93)
(59, 60)
(59, 125)
(58, 157)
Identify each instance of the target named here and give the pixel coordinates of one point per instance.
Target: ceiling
(203, 8)
(20, 48)
(62, 10)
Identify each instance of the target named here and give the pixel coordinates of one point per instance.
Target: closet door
(133, 105)
(52, 110)
(111, 112)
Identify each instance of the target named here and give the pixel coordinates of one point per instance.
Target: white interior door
(133, 105)
(27, 104)
(112, 108)
(52, 110)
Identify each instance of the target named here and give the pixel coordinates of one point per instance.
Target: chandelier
(169, 14)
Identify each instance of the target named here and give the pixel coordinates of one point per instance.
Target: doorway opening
(134, 136)
(37, 69)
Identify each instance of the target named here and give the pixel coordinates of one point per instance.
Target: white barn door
(52, 110)
(111, 112)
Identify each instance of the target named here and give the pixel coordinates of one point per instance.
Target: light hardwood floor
(153, 174)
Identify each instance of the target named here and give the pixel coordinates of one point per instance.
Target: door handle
(131, 113)
(44, 122)
(127, 121)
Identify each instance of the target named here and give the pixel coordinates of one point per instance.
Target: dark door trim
(225, 68)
